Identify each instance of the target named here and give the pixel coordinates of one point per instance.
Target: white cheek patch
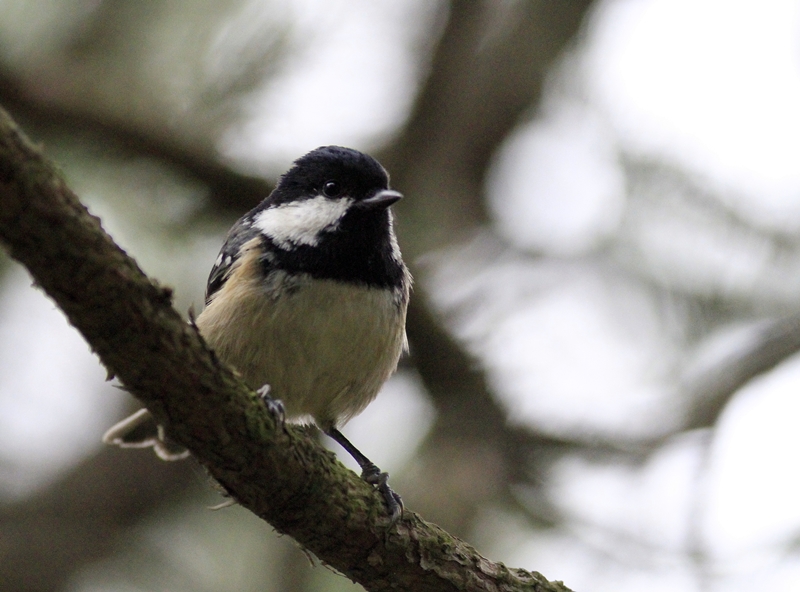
(301, 223)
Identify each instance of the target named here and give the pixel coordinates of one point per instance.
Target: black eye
(331, 189)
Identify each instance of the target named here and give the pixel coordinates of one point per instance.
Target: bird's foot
(394, 503)
(372, 475)
(274, 406)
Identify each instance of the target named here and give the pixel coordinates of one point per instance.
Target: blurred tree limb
(278, 472)
(773, 343)
(487, 73)
(44, 537)
(230, 188)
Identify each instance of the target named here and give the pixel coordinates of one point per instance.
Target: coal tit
(308, 299)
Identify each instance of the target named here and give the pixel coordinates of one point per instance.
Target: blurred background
(603, 219)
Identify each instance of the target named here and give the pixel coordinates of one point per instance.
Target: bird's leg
(371, 474)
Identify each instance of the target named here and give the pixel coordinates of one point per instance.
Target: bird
(307, 301)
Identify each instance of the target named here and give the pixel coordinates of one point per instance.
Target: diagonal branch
(43, 537)
(278, 472)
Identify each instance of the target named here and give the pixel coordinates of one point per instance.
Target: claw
(372, 475)
(274, 406)
(394, 503)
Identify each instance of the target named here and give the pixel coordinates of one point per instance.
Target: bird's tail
(140, 430)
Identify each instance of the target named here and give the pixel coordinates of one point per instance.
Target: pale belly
(324, 350)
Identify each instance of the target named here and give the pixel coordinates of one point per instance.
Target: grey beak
(382, 199)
